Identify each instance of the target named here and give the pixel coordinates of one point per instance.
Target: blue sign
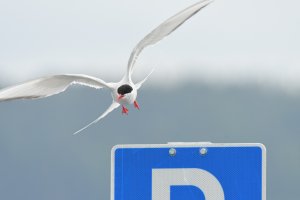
(193, 172)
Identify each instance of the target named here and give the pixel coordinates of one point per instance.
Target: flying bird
(123, 92)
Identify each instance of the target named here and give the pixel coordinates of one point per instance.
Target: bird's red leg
(136, 105)
(124, 110)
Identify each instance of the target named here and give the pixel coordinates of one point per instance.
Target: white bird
(123, 92)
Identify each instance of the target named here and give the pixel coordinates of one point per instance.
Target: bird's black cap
(124, 89)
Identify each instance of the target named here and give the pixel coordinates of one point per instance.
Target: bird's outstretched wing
(113, 106)
(47, 86)
(162, 31)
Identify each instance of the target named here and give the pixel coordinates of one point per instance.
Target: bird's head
(125, 93)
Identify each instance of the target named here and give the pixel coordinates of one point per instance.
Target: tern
(123, 92)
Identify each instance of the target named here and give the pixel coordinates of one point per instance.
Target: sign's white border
(192, 144)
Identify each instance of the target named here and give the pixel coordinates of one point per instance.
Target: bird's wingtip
(80, 130)
(77, 132)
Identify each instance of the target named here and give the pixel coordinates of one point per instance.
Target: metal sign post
(180, 171)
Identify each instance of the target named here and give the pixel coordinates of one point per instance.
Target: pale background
(230, 74)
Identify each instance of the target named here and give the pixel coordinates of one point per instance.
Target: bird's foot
(136, 105)
(124, 110)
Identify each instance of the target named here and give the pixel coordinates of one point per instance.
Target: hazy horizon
(41, 159)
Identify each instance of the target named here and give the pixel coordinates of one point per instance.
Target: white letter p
(163, 179)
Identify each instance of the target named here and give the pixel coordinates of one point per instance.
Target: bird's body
(128, 94)
(123, 92)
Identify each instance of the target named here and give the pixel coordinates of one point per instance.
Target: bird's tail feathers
(139, 84)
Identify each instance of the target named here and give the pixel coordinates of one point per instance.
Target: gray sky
(230, 41)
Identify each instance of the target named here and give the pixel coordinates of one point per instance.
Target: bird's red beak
(120, 96)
